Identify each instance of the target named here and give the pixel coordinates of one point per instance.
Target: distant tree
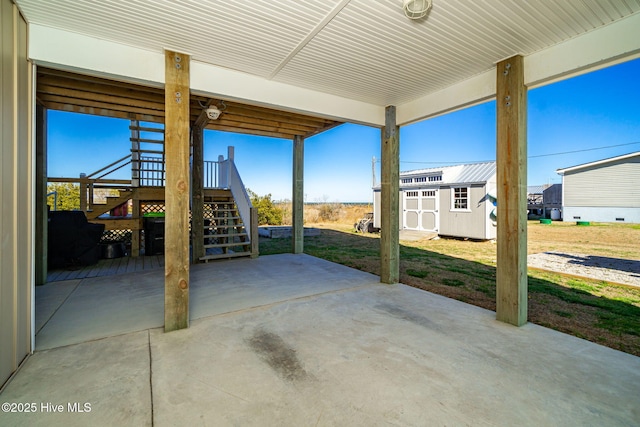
(268, 212)
(68, 196)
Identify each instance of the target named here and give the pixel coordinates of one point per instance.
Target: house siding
(16, 192)
(611, 186)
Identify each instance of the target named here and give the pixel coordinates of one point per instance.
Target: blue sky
(589, 117)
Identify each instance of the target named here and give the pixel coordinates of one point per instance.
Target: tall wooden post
(297, 210)
(511, 277)
(390, 211)
(197, 194)
(176, 285)
(41, 244)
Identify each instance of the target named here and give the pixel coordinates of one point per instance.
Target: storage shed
(450, 200)
(607, 190)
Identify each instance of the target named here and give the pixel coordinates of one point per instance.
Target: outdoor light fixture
(213, 109)
(416, 9)
(213, 113)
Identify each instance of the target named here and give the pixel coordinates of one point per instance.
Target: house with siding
(607, 190)
(451, 200)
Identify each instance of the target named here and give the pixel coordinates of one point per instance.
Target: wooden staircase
(225, 235)
(112, 202)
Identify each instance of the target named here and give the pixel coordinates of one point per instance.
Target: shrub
(268, 212)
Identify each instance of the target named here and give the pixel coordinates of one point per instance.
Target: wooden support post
(511, 277)
(83, 192)
(197, 194)
(42, 227)
(390, 211)
(137, 214)
(176, 291)
(298, 195)
(255, 238)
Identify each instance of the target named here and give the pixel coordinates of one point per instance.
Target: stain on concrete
(280, 356)
(402, 314)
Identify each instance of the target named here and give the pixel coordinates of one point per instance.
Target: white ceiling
(365, 50)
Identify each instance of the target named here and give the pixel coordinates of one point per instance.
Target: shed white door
(429, 217)
(420, 210)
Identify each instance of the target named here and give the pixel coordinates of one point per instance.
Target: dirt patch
(608, 269)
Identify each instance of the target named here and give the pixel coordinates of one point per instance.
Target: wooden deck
(108, 267)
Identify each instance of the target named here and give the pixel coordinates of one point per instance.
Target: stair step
(146, 129)
(143, 152)
(211, 236)
(227, 245)
(155, 141)
(223, 217)
(224, 256)
(206, 227)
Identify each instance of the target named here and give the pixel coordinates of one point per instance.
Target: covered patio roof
(343, 59)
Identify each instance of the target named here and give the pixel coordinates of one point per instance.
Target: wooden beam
(233, 129)
(298, 196)
(48, 98)
(390, 212)
(511, 276)
(105, 112)
(197, 194)
(176, 297)
(84, 96)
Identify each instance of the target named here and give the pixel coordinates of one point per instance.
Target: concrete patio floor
(292, 340)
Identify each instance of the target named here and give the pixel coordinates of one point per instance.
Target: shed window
(412, 194)
(461, 198)
(421, 179)
(407, 180)
(435, 178)
(429, 193)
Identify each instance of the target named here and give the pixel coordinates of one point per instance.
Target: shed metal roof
(473, 173)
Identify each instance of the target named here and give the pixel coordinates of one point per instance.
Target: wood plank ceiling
(65, 91)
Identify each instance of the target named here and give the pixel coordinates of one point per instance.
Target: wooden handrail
(124, 182)
(128, 156)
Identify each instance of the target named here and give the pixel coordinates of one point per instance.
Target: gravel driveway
(615, 270)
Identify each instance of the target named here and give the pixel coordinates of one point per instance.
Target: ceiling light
(416, 9)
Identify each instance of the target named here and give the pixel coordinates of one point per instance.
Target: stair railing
(211, 171)
(240, 194)
(88, 183)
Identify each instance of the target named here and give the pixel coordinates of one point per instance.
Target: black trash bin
(154, 233)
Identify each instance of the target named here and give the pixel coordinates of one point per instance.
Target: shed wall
(471, 223)
(16, 192)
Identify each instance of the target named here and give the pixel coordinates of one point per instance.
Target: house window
(406, 180)
(429, 193)
(421, 179)
(435, 178)
(460, 198)
(412, 194)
